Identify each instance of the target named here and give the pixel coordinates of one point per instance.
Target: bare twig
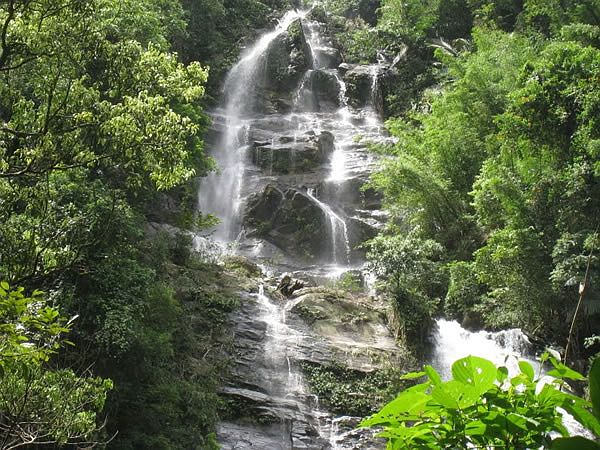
(582, 291)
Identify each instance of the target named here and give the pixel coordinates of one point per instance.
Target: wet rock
(325, 142)
(286, 59)
(264, 205)
(326, 89)
(359, 82)
(360, 230)
(327, 57)
(319, 92)
(293, 222)
(352, 329)
(345, 67)
(293, 154)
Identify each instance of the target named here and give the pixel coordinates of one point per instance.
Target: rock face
(267, 404)
(359, 82)
(293, 154)
(351, 330)
(291, 220)
(300, 208)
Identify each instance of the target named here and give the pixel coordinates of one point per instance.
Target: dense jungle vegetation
(98, 118)
(493, 185)
(493, 190)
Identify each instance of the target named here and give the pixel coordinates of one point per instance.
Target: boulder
(287, 59)
(319, 91)
(359, 82)
(326, 88)
(351, 327)
(326, 58)
(292, 221)
(262, 209)
(345, 67)
(325, 142)
(293, 154)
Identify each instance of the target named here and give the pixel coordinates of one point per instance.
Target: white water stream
(278, 381)
(338, 228)
(219, 193)
(451, 342)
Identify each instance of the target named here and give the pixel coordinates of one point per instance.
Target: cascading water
(284, 380)
(271, 341)
(219, 192)
(309, 119)
(451, 342)
(339, 229)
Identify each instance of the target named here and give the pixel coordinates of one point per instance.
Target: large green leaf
(563, 372)
(477, 372)
(527, 369)
(550, 396)
(574, 443)
(433, 375)
(502, 374)
(594, 378)
(455, 395)
(408, 403)
(578, 408)
(475, 428)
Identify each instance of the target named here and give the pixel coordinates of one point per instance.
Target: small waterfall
(316, 44)
(373, 108)
(338, 229)
(338, 158)
(451, 342)
(507, 347)
(220, 192)
(280, 340)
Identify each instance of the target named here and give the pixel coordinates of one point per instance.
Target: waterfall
(299, 127)
(288, 380)
(338, 229)
(451, 342)
(219, 193)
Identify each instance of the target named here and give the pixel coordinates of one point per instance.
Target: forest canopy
(492, 189)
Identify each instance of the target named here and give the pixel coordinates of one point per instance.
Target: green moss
(351, 392)
(243, 266)
(308, 314)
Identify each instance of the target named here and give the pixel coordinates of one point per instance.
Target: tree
(82, 103)
(411, 276)
(39, 404)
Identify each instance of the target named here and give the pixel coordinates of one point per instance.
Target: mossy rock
(243, 266)
(291, 221)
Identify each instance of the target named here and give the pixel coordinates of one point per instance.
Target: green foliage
(348, 282)
(464, 291)
(414, 19)
(40, 404)
(215, 30)
(501, 165)
(90, 120)
(412, 277)
(351, 392)
(428, 178)
(96, 117)
(481, 407)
